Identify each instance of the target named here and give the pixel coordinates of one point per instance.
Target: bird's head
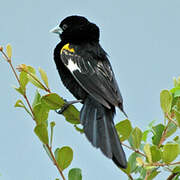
(77, 29)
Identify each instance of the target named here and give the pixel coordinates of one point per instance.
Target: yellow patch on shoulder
(66, 47)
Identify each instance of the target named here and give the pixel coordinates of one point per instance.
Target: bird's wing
(95, 76)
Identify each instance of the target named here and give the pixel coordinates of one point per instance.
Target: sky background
(143, 42)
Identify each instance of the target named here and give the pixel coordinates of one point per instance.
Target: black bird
(86, 72)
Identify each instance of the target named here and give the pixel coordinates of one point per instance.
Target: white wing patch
(72, 66)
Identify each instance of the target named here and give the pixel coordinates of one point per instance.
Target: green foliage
(135, 138)
(44, 77)
(124, 129)
(170, 152)
(157, 131)
(75, 174)
(42, 133)
(150, 148)
(64, 156)
(166, 101)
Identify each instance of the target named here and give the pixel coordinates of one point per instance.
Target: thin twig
(163, 137)
(46, 89)
(172, 176)
(170, 119)
(135, 150)
(162, 164)
(10, 63)
(29, 105)
(55, 162)
(24, 95)
(130, 177)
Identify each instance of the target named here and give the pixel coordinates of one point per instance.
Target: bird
(85, 70)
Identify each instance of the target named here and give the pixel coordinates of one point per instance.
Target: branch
(170, 119)
(30, 107)
(130, 177)
(172, 176)
(17, 78)
(162, 164)
(55, 162)
(135, 150)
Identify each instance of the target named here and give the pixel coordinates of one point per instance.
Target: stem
(135, 150)
(163, 137)
(172, 176)
(25, 97)
(130, 177)
(10, 63)
(46, 89)
(170, 119)
(29, 105)
(147, 175)
(55, 162)
(162, 164)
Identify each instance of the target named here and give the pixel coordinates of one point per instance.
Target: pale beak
(56, 30)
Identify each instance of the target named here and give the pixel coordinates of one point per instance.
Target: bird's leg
(66, 105)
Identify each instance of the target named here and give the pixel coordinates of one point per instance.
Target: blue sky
(142, 39)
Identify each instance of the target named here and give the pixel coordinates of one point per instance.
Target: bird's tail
(99, 128)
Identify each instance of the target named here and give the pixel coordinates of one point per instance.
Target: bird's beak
(56, 30)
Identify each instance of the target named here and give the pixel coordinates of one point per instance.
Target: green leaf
(148, 152)
(64, 157)
(23, 80)
(136, 137)
(171, 129)
(33, 78)
(37, 99)
(176, 169)
(42, 132)
(19, 90)
(78, 129)
(72, 115)
(177, 111)
(170, 152)
(177, 93)
(153, 174)
(41, 113)
(166, 101)
(155, 153)
(35, 81)
(75, 174)
(124, 129)
(19, 103)
(145, 135)
(132, 161)
(44, 77)
(53, 101)
(157, 131)
(31, 69)
(9, 51)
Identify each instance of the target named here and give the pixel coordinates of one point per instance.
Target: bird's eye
(64, 27)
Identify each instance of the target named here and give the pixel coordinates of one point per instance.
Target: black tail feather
(99, 128)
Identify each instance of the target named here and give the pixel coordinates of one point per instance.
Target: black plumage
(86, 72)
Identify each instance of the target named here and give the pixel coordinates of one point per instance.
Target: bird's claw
(66, 105)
